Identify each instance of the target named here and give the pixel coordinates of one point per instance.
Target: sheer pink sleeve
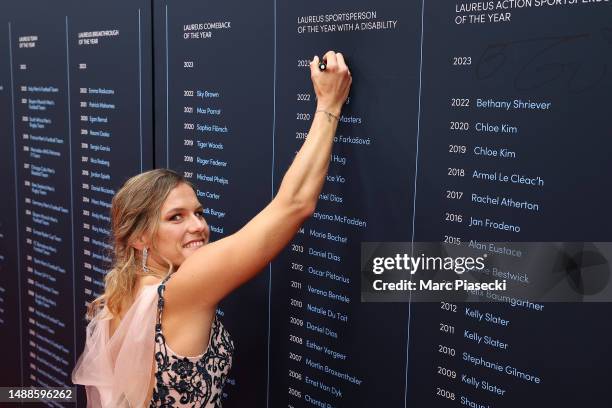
(116, 371)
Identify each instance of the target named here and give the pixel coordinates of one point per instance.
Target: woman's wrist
(330, 116)
(333, 110)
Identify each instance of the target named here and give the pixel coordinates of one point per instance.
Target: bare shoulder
(146, 281)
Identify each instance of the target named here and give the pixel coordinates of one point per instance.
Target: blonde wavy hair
(135, 213)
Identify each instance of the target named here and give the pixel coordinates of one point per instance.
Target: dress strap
(160, 303)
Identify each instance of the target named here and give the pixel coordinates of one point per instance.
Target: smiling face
(182, 228)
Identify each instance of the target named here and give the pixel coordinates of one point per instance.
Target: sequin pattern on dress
(190, 381)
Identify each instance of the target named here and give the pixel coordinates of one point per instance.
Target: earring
(145, 255)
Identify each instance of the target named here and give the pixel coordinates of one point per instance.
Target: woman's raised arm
(216, 269)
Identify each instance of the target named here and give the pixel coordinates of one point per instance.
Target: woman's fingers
(341, 62)
(314, 66)
(330, 59)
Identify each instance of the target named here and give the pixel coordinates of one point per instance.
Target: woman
(154, 338)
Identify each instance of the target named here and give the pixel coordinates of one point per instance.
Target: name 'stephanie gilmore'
(403, 262)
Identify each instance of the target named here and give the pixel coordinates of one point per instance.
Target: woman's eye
(175, 217)
(200, 214)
